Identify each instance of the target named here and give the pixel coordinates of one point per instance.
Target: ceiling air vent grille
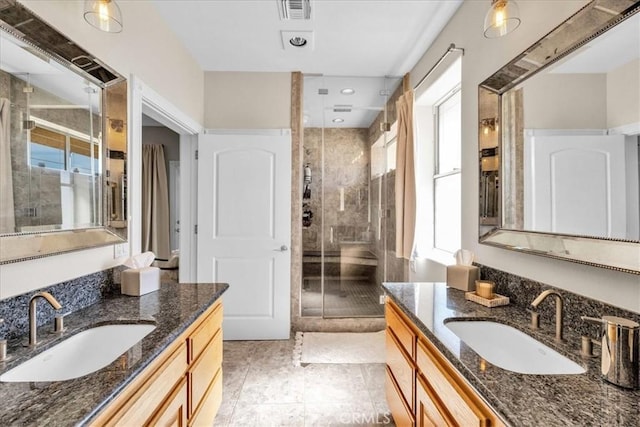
(342, 108)
(295, 9)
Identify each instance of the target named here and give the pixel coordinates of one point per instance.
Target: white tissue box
(462, 277)
(140, 281)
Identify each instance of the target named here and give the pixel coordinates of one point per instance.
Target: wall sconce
(488, 125)
(104, 15)
(502, 18)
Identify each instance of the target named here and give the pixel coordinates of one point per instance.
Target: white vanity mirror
(62, 143)
(559, 131)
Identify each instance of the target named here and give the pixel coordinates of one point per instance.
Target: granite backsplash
(73, 295)
(522, 292)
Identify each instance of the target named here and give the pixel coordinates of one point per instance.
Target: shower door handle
(282, 248)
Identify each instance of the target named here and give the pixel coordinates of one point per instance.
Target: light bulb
(486, 130)
(499, 22)
(103, 11)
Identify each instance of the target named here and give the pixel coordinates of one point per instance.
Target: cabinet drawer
(203, 334)
(173, 412)
(405, 335)
(462, 404)
(204, 370)
(154, 391)
(429, 410)
(402, 416)
(401, 368)
(206, 413)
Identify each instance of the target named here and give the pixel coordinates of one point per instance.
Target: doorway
(146, 102)
(161, 161)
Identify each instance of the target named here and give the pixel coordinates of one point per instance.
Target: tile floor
(263, 388)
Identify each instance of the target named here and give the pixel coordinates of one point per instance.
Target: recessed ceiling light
(297, 41)
(347, 91)
(338, 120)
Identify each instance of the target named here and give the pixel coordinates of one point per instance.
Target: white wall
(146, 48)
(623, 95)
(235, 100)
(565, 101)
(482, 58)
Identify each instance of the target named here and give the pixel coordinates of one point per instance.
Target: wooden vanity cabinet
(182, 387)
(439, 395)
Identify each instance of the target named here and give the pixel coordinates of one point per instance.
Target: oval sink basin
(80, 354)
(513, 350)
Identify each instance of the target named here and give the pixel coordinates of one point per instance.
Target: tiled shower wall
(346, 158)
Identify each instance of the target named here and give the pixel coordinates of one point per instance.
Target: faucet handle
(535, 319)
(58, 325)
(592, 319)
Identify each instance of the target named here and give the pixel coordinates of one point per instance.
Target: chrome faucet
(559, 311)
(32, 313)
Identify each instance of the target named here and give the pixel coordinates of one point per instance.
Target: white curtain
(7, 214)
(155, 202)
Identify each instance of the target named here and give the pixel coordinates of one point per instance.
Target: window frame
(68, 134)
(437, 175)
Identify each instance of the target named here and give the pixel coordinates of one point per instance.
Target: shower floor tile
(262, 387)
(346, 298)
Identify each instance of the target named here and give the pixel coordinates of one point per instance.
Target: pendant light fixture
(105, 15)
(501, 19)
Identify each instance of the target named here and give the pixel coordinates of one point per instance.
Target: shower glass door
(346, 158)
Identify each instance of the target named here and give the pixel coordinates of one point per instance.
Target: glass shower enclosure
(348, 158)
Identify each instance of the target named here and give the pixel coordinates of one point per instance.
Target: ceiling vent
(295, 9)
(342, 108)
(323, 91)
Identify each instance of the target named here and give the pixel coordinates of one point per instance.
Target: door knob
(282, 248)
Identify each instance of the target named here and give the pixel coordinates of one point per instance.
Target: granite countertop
(520, 400)
(172, 309)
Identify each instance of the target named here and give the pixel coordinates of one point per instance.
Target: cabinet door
(210, 404)
(203, 371)
(427, 412)
(461, 402)
(153, 393)
(202, 335)
(173, 413)
(401, 367)
(405, 336)
(402, 416)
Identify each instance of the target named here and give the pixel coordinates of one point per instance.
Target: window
(62, 150)
(447, 178)
(438, 165)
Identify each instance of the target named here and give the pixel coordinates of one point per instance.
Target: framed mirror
(63, 143)
(559, 142)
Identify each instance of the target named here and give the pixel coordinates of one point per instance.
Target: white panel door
(244, 229)
(576, 185)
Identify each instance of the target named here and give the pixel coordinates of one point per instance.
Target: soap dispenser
(619, 337)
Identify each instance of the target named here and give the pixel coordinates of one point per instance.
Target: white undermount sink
(80, 354)
(513, 350)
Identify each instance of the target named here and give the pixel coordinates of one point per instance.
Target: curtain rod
(452, 48)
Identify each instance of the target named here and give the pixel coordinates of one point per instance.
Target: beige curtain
(405, 178)
(155, 202)
(7, 214)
